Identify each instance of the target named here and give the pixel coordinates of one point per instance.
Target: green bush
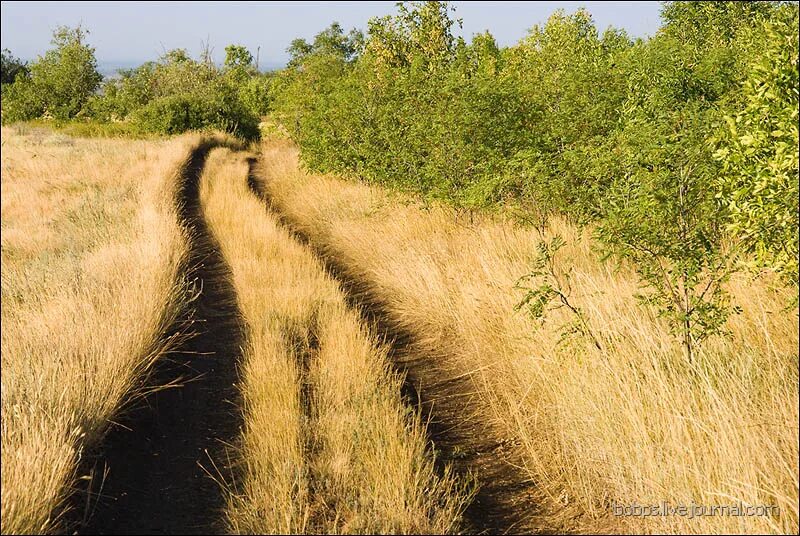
(171, 115)
(178, 94)
(11, 67)
(170, 96)
(255, 95)
(20, 102)
(60, 83)
(212, 110)
(600, 128)
(758, 151)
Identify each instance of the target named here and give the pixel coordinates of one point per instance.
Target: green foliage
(703, 25)
(422, 110)
(60, 83)
(298, 49)
(598, 128)
(407, 110)
(215, 108)
(172, 114)
(758, 151)
(658, 206)
(20, 102)
(573, 83)
(553, 291)
(238, 65)
(238, 57)
(332, 41)
(177, 94)
(300, 93)
(170, 96)
(254, 94)
(661, 214)
(11, 67)
(121, 96)
(420, 36)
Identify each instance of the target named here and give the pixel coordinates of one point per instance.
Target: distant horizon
(110, 67)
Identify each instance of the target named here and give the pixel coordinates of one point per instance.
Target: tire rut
(505, 501)
(161, 457)
(303, 339)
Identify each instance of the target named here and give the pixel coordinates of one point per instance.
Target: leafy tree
(60, 83)
(178, 93)
(332, 41)
(255, 94)
(298, 50)
(573, 81)
(420, 35)
(20, 102)
(11, 67)
(704, 25)
(237, 56)
(661, 214)
(660, 209)
(313, 74)
(758, 151)
(185, 94)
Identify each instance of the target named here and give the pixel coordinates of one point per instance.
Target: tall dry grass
(630, 424)
(328, 446)
(90, 252)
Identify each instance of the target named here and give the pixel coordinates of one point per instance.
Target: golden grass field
(630, 424)
(90, 250)
(351, 298)
(328, 447)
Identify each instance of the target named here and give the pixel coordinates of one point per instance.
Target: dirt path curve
(506, 501)
(158, 460)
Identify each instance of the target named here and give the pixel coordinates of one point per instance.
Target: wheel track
(505, 501)
(160, 457)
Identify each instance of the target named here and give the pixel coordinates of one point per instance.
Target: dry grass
(630, 424)
(328, 446)
(90, 254)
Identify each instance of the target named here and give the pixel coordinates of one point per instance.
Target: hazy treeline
(172, 95)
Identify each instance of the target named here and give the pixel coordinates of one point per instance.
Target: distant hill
(110, 68)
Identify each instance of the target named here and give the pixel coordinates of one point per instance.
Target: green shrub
(173, 95)
(11, 67)
(20, 101)
(254, 94)
(596, 127)
(171, 115)
(178, 94)
(60, 83)
(758, 151)
(179, 113)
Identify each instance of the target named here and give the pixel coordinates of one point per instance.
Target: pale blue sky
(125, 32)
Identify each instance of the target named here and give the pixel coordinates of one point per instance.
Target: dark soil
(505, 501)
(158, 459)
